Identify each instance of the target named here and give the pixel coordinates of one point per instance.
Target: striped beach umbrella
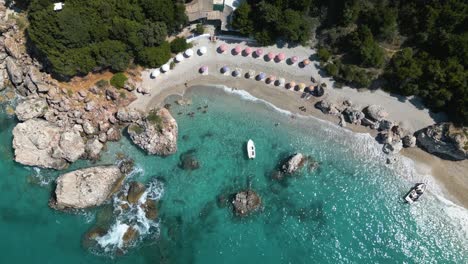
(237, 49)
(270, 56)
(259, 52)
(281, 56)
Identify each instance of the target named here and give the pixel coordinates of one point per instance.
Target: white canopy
(155, 73)
(165, 68)
(202, 50)
(189, 53)
(179, 57)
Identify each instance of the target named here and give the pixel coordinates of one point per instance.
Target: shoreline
(447, 174)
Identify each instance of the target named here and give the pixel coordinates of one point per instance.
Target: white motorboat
(415, 193)
(250, 149)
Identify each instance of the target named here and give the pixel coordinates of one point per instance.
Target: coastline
(185, 75)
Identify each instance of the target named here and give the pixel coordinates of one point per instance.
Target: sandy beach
(407, 113)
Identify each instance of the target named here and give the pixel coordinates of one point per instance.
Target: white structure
(165, 68)
(179, 57)
(58, 6)
(155, 73)
(189, 53)
(202, 50)
(251, 149)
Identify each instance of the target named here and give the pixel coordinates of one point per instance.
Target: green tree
(154, 57)
(179, 45)
(242, 20)
(118, 80)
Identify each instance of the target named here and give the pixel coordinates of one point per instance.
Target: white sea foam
(113, 238)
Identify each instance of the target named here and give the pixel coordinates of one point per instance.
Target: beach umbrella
(306, 62)
(294, 59)
(165, 68)
(189, 53)
(202, 50)
(155, 73)
(270, 55)
(301, 87)
(237, 49)
(281, 81)
(223, 48)
(280, 56)
(292, 85)
(203, 69)
(248, 50)
(310, 89)
(261, 76)
(251, 74)
(259, 52)
(179, 57)
(224, 69)
(236, 73)
(271, 79)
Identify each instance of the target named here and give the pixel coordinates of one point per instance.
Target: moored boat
(251, 149)
(415, 193)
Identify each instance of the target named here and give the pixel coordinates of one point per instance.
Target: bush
(118, 80)
(331, 69)
(200, 29)
(323, 54)
(179, 45)
(102, 83)
(154, 57)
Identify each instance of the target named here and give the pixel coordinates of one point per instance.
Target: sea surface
(348, 210)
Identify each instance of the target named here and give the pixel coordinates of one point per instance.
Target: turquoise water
(347, 211)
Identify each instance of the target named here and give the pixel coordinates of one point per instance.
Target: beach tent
(259, 52)
(189, 53)
(155, 73)
(222, 48)
(202, 50)
(280, 56)
(248, 51)
(301, 87)
(237, 49)
(281, 81)
(224, 69)
(306, 62)
(179, 57)
(292, 85)
(270, 55)
(294, 59)
(165, 68)
(204, 69)
(251, 74)
(261, 76)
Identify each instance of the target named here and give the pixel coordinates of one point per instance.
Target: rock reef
(246, 202)
(86, 188)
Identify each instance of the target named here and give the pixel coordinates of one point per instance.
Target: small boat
(415, 192)
(250, 149)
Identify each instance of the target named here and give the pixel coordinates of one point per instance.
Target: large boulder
(353, 116)
(12, 47)
(327, 107)
(40, 143)
(409, 141)
(246, 202)
(127, 115)
(445, 141)
(31, 108)
(93, 149)
(14, 71)
(157, 133)
(375, 112)
(86, 188)
(293, 164)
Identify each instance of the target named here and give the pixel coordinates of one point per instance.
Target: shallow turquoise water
(347, 211)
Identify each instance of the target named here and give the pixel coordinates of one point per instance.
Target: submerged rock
(86, 188)
(157, 133)
(135, 191)
(246, 202)
(188, 161)
(293, 164)
(43, 144)
(445, 141)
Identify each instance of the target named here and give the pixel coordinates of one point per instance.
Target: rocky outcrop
(293, 164)
(14, 71)
(31, 108)
(353, 116)
(327, 107)
(246, 202)
(93, 149)
(86, 187)
(135, 191)
(445, 141)
(156, 133)
(127, 115)
(409, 141)
(40, 143)
(375, 112)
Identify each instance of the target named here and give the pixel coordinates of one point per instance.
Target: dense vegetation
(411, 47)
(98, 34)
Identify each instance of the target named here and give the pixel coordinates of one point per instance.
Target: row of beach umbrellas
(178, 58)
(259, 52)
